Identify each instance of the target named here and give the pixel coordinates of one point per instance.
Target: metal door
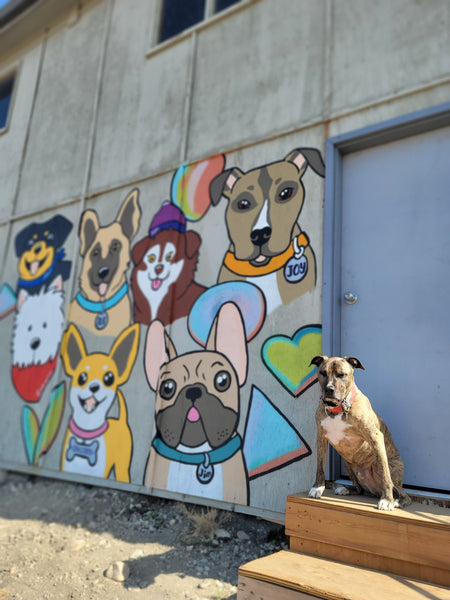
(392, 290)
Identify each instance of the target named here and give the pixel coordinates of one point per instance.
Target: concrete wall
(99, 110)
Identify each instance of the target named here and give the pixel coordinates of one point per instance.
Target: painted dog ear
(318, 360)
(129, 214)
(354, 362)
(124, 351)
(139, 250)
(73, 349)
(223, 183)
(159, 350)
(304, 157)
(89, 226)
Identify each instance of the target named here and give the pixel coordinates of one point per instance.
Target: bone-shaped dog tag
(205, 471)
(297, 266)
(101, 320)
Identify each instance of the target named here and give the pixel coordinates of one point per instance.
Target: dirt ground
(62, 540)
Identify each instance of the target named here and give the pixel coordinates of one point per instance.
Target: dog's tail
(123, 413)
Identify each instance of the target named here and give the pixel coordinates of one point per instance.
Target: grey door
(394, 237)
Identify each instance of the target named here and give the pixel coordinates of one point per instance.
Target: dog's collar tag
(297, 266)
(205, 471)
(101, 320)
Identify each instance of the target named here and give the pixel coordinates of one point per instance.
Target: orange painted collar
(246, 269)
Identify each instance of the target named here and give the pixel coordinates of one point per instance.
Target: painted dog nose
(103, 272)
(193, 393)
(159, 269)
(94, 387)
(261, 236)
(35, 343)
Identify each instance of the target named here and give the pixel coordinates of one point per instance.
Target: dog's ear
(354, 362)
(124, 351)
(129, 214)
(21, 297)
(57, 284)
(159, 350)
(318, 360)
(223, 183)
(72, 349)
(227, 336)
(89, 226)
(139, 250)
(304, 157)
(193, 243)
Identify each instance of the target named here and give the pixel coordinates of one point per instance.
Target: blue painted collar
(98, 307)
(197, 458)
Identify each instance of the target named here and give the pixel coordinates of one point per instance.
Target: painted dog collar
(87, 435)
(28, 283)
(203, 460)
(98, 307)
(345, 405)
(246, 269)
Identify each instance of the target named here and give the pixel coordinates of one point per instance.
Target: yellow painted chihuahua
(94, 444)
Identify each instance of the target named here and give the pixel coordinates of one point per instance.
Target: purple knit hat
(169, 216)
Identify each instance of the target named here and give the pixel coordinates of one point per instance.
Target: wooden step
(412, 542)
(288, 575)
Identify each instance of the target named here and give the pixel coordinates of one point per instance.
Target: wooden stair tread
(417, 513)
(331, 580)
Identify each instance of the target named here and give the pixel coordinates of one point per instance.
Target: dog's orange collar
(348, 401)
(246, 269)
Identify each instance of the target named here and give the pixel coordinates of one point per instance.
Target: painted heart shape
(288, 358)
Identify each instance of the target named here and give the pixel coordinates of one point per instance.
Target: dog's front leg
(386, 501)
(322, 446)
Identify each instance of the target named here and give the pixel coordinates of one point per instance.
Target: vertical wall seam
(24, 150)
(188, 101)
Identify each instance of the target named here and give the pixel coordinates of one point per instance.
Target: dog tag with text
(205, 471)
(296, 267)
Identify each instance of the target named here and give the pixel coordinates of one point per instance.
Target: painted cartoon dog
(38, 328)
(41, 256)
(267, 246)
(196, 449)
(162, 279)
(94, 444)
(102, 305)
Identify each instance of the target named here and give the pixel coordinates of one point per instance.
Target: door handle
(350, 298)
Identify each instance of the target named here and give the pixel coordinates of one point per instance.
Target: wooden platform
(344, 548)
(289, 575)
(412, 542)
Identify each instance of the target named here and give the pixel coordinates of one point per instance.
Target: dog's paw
(397, 503)
(384, 504)
(341, 490)
(316, 492)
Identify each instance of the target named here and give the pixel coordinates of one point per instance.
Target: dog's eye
(115, 246)
(222, 381)
(340, 375)
(82, 378)
(286, 193)
(167, 389)
(323, 373)
(151, 258)
(169, 256)
(244, 204)
(108, 378)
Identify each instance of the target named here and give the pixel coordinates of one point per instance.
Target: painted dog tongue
(34, 266)
(156, 284)
(90, 404)
(193, 415)
(102, 288)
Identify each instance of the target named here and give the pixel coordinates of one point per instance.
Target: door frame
(337, 147)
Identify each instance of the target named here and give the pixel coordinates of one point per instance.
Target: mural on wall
(94, 444)
(288, 358)
(197, 449)
(102, 305)
(219, 411)
(267, 246)
(164, 265)
(38, 306)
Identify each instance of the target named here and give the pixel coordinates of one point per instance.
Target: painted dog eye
(167, 389)
(115, 246)
(244, 204)
(82, 378)
(222, 381)
(169, 256)
(286, 193)
(151, 258)
(108, 378)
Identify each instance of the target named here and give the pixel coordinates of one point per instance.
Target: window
(6, 90)
(178, 15)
